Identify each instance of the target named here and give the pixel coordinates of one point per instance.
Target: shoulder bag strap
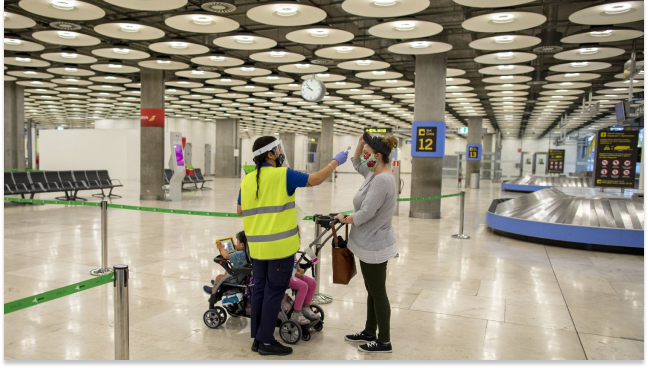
(335, 239)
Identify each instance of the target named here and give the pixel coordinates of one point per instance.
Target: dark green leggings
(378, 308)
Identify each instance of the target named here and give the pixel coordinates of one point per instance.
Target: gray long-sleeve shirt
(372, 238)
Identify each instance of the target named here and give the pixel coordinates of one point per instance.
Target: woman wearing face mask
(267, 203)
(372, 238)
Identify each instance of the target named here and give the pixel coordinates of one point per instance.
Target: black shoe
(212, 282)
(207, 289)
(376, 347)
(360, 337)
(275, 348)
(255, 345)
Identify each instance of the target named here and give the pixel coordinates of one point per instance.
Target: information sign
(616, 158)
(378, 131)
(473, 152)
(428, 138)
(462, 130)
(556, 162)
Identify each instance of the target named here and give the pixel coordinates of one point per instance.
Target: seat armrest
(117, 180)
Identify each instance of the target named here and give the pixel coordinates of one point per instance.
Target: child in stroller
(235, 291)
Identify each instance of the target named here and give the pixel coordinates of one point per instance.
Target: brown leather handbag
(344, 266)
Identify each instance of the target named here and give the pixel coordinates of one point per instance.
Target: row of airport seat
(69, 182)
(195, 179)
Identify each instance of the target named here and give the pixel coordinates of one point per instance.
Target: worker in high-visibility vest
(267, 204)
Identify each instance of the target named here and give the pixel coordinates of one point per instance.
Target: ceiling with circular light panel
(521, 64)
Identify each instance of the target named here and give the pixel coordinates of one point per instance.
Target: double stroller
(234, 291)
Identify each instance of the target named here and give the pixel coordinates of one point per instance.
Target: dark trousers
(271, 279)
(378, 308)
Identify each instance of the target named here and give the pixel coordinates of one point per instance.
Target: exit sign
(462, 130)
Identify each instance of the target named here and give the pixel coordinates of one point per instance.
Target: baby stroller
(235, 292)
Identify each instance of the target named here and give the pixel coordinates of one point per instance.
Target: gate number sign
(473, 152)
(428, 139)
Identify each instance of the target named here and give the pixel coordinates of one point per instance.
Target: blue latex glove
(341, 157)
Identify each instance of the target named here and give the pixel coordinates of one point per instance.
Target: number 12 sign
(428, 139)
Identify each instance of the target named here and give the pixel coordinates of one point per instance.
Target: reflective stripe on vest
(269, 221)
(269, 209)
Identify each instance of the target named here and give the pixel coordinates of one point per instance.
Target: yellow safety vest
(270, 223)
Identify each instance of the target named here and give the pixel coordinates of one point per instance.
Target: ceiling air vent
(66, 26)
(223, 6)
(322, 62)
(550, 43)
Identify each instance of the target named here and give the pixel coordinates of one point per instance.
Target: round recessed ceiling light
(69, 55)
(505, 67)
(344, 49)
(363, 62)
(217, 58)
(277, 54)
(572, 75)
(321, 33)
(121, 51)
(202, 20)
(63, 4)
(580, 64)
(501, 18)
(588, 50)
(504, 39)
(286, 10)
(12, 41)
(384, 2)
(420, 44)
(505, 55)
(244, 39)
(302, 66)
(67, 35)
(129, 28)
(601, 33)
(618, 8)
(179, 45)
(405, 26)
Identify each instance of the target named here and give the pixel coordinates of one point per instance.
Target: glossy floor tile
(485, 298)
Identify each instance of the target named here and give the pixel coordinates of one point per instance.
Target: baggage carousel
(584, 218)
(532, 183)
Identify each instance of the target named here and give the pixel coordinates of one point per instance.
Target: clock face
(313, 90)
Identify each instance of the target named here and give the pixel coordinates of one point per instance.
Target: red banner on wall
(152, 118)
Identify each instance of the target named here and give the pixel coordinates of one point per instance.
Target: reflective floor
(488, 297)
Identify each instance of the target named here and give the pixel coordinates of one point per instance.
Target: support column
(152, 134)
(488, 166)
(14, 126)
(429, 106)
(227, 140)
(474, 137)
(288, 140)
(325, 146)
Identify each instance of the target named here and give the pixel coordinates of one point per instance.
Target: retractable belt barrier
(106, 275)
(47, 296)
(188, 212)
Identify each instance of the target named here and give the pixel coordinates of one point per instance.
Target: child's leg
(302, 290)
(218, 278)
(312, 285)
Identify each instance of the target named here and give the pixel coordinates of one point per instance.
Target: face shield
(277, 148)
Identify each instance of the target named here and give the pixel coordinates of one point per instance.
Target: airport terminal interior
(129, 126)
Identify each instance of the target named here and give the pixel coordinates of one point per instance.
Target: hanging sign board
(428, 138)
(556, 162)
(378, 131)
(462, 130)
(616, 158)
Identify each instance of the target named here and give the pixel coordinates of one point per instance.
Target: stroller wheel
(319, 326)
(306, 335)
(211, 318)
(290, 332)
(317, 310)
(222, 315)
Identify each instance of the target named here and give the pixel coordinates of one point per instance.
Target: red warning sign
(604, 162)
(616, 163)
(615, 172)
(626, 172)
(627, 163)
(604, 171)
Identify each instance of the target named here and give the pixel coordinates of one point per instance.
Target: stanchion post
(120, 285)
(319, 298)
(104, 269)
(461, 234)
